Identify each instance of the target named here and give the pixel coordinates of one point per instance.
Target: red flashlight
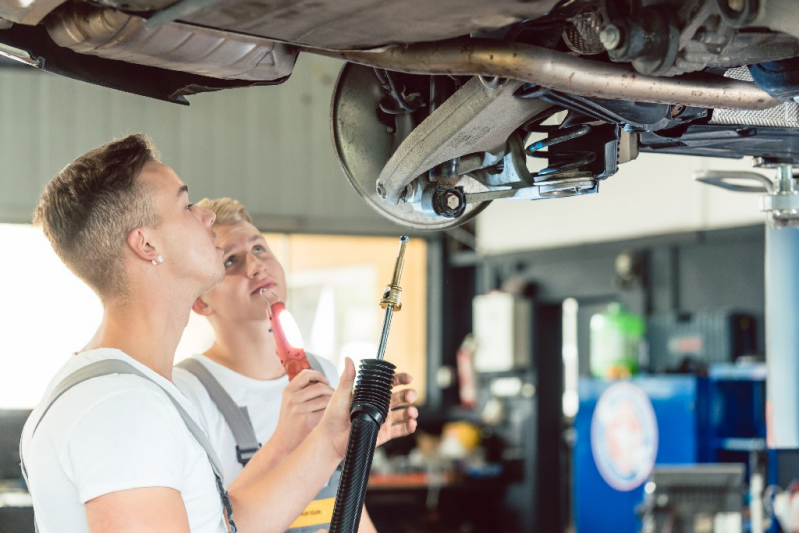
(288, 340)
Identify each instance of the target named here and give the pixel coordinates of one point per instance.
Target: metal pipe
(391, 300)
(381, 348)
(558, 71)
(782, 336)
(395, 279)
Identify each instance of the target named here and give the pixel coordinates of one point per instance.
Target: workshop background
(529, 422)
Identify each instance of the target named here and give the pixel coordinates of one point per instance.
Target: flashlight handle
(294, 359)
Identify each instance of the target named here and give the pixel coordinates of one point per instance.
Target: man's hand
(401, 415)
(335, 423)
(304, 402)
(336, 420)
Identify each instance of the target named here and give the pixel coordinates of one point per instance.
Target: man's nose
(254, 265)
(209, 217)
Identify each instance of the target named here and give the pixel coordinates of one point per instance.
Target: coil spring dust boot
(370, 404)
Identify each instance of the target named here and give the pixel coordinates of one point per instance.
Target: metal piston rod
(558, 71)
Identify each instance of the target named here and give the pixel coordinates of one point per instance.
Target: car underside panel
(773, 145)
(188, 48)
(159, 83)
(358, 24)
(28, 12)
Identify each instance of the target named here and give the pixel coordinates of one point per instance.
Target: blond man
(244, 363)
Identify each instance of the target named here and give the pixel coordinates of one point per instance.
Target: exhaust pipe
(558, 71)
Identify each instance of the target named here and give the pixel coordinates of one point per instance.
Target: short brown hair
(227, 210)
(88, 209)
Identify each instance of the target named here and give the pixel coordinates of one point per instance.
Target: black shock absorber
(369, 409)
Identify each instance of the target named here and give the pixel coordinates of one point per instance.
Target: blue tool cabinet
(658, 420)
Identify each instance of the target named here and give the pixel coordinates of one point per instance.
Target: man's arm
(267, 498)
(304, 401)
(127, 459)
(152, 509)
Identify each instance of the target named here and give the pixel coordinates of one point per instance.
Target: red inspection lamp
(288, 340)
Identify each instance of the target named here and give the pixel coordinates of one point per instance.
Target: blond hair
(88, 209)
(227, 210)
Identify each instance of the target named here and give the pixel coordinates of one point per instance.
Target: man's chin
(215, 280)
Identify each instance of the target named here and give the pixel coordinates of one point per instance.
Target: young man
(122, 452)
(244, 362)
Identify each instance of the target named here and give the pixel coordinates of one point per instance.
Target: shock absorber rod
(369, 409)
(392, 297)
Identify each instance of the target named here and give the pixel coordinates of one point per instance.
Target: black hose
(370, 404)
(397, 94)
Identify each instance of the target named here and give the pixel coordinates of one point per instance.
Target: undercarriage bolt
(453, 201)
(610, 37)
(381, 190)
(447, 202)
(737, 5)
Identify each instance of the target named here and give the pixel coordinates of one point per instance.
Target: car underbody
(446, 106)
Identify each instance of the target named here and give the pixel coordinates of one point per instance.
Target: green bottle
(617, 338)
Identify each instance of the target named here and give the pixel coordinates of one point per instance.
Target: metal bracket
(726, 179)
(474, 119)
(781, 201)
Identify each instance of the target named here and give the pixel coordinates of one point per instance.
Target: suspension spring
(562, 161)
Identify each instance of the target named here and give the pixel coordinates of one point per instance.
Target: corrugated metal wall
(267, 146)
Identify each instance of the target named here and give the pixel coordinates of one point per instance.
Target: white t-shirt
(261, 398)
(113, 433)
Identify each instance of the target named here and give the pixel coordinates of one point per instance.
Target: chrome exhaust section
(558, 71)
(112, 34)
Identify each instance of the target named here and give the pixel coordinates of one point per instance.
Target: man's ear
(201, 308)
(140, 244)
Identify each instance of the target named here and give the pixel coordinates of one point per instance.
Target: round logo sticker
(624, 436)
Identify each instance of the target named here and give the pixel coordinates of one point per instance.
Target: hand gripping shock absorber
(369, 409)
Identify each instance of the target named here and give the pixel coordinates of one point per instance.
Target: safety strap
(237, 418)
(116, 366)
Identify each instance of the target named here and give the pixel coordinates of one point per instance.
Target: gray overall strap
(237, 418)
(116, 366)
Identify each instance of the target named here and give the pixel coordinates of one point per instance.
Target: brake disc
(364, 144)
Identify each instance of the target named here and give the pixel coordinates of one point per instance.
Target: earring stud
(160, 259)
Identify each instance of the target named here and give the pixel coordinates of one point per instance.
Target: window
(335, 284)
